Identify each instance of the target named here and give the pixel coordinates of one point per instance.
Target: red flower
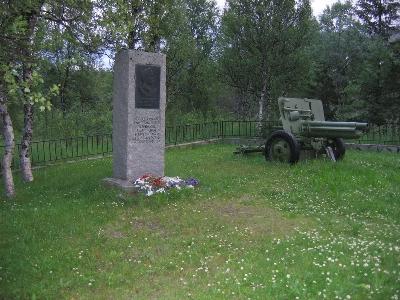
(158, 182)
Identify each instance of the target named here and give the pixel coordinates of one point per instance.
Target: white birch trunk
(9, 144)
(157, 47)
(260, 115)
(25, 158)
(261, 105)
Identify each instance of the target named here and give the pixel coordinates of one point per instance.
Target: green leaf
(54, 89)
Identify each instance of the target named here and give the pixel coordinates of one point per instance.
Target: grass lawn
(251, 230)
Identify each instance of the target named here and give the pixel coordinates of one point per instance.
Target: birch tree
(74, 19)
(338, 54)
(261, 41)
(9, 143)
(184, 30)
(133, 24)
(12, 28)
(23, 29)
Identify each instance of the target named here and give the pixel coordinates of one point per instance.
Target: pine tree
(379, 16)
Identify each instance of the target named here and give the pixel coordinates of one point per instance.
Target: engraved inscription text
(147, 130)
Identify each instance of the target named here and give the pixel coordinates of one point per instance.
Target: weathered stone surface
(125, 185)
(138, 133)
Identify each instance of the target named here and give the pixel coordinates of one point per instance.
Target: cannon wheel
(338, 147)
(282, 146)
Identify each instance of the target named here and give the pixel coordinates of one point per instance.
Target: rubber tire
(290, 139)
(338, 147)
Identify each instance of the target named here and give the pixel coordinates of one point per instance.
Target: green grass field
(252, 230)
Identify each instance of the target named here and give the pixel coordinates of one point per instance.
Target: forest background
(230, 64)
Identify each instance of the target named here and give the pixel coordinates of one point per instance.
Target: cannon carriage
(305, 133)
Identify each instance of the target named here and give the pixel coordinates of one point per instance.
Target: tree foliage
(262, 44)
(379, 16)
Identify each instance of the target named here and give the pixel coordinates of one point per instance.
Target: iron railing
(47, 151)
(385, 134)
(192, 132)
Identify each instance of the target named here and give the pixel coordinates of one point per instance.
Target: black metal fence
(192, 132)
(385, 134)
(47, 151)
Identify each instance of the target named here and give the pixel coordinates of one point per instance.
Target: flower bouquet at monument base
(150, 184)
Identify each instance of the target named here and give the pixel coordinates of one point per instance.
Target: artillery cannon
(305, 132)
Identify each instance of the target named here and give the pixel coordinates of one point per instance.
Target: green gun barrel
(347, 130)
(357, 125)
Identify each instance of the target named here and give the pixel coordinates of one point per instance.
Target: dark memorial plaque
(147, 93)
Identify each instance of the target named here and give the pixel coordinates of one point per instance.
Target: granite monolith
(139, 97)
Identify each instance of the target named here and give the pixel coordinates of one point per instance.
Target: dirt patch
(113, 233)
(254, 219)
(125, 227)
(153, 225)
(246, 198)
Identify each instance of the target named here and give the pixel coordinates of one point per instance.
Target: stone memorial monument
(139, 96)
